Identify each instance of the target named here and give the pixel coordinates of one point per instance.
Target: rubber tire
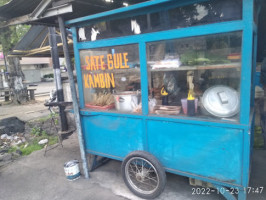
(158, 167)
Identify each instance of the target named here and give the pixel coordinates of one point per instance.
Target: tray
(108, 107)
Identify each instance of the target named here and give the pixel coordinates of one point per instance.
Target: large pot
(221, 101)
(126, 101)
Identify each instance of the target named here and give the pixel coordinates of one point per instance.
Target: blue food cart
(168, 86)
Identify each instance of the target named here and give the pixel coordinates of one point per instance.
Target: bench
(7, 93)
(31, 93)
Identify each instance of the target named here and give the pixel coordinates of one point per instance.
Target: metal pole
(57, 77)
(74, 96)
(5, 62)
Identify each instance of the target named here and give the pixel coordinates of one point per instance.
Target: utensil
(221, 101)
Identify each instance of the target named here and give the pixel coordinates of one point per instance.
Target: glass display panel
(255, 13)
(196, 77)
(174, 18)
(111, 78)
(206, 13)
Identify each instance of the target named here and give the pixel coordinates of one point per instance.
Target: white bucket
(126, 101)
(72, 170)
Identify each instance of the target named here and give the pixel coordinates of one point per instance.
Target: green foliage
(2, 2)
(34, 146)
(12, 149)
(44, 119)
(9, 36)
(48, 117)
(31, 148)
(38, 134)
(52, 140)
(55, 116)
(36, 131)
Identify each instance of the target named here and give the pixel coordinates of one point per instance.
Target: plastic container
(126, 101)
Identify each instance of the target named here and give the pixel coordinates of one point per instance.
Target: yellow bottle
(190, 104)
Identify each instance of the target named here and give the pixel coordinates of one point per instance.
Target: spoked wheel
(143, 174)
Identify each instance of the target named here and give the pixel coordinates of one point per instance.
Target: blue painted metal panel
(247, 47)
(257, 80)
(116, 136)
(186, 120)
(144, 79)
(104, 155)
(78, 67)
(213, 152)
(246, 158)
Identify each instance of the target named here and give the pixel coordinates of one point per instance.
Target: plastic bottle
(164, 97)
(190, 104)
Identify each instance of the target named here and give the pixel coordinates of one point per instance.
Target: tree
(9, 36)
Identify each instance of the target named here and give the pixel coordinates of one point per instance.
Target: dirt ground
(29, 111)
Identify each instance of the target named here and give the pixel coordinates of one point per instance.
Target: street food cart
(168, 86)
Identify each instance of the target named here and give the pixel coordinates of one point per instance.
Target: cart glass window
(179, 17)
(256, 12)
(197, 76)
(111, 78)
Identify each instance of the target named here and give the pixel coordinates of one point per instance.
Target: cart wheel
(143, 174)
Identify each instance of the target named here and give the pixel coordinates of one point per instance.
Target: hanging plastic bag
(170, 83)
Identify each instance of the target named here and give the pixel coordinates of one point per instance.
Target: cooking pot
(126, 101)
(221, 101)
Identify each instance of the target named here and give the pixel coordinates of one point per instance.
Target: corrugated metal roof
(33, 38)
(36, 43)
(17, 8)
(81, 8)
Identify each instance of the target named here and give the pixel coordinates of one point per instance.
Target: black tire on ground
(143, 174)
